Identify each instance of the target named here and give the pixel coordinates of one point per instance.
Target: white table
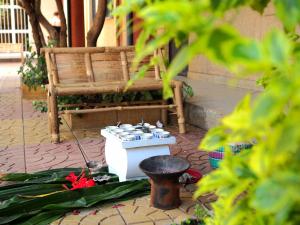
(123, 157)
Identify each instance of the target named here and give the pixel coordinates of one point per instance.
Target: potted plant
(33, 75)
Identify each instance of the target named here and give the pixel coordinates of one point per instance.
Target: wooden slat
(108, 70)
(113, 56)
(71, 68)
(119, 49)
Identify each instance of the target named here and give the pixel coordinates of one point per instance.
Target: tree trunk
(63, 28)
(97, 25)
(38, 37)
(45, 23)
(42, 38)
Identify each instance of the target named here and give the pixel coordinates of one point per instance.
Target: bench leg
(164, 114)
(54, 119)
(179, 104)
(49, 113)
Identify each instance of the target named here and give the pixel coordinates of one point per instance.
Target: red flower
(79, 181)
(72, 177)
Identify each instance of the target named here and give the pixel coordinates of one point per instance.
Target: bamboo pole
(54, 69)
(111, 104)
(49, 113)
(74, 50)
(164, 113)
(156, 68)
(54, 119)
(180, 113)
(48, 63)
(117, 108)
(163, 66)
(124, 66)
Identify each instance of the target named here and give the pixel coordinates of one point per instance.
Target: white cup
(130, 129)
(152, 127)
(147, 136)
(138, 134)
(156, 132)
(129, 137)
(125, 126)
(164, 134)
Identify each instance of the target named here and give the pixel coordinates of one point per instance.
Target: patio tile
(115, 219)
(94, 219)
(158, 215)
(175, 213)
(163, 222)
(71, 219)
(132, 218)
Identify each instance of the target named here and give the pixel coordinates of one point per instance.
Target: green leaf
(271, 196)
(44, 218)
(214, 139)
(260, 5)
(278, 47)
(288, 11)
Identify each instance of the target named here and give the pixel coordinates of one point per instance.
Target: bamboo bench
(11, 52)
(100, 70)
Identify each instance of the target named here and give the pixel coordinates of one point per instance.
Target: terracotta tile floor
(25, 146)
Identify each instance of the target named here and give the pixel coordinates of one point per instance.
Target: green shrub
(34, 71)
(260, 186)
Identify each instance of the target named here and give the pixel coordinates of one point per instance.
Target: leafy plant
(34, 71)
(260, 186)
(40, 198)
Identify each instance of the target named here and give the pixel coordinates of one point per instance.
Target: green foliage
(39, 198)
(260, 186)
(34, 71)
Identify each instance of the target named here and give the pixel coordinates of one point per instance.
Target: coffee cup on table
(152, 127)
(147, 136)
(130, 129)
(129, 137)
(156, 132)
(138, 134)
(125, 126)
(164, 134)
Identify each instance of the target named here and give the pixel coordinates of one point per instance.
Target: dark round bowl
(164, 165)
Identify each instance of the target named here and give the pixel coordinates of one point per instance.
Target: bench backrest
(74, 65)
(11, 48)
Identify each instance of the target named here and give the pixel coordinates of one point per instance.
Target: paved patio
(25, 147)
